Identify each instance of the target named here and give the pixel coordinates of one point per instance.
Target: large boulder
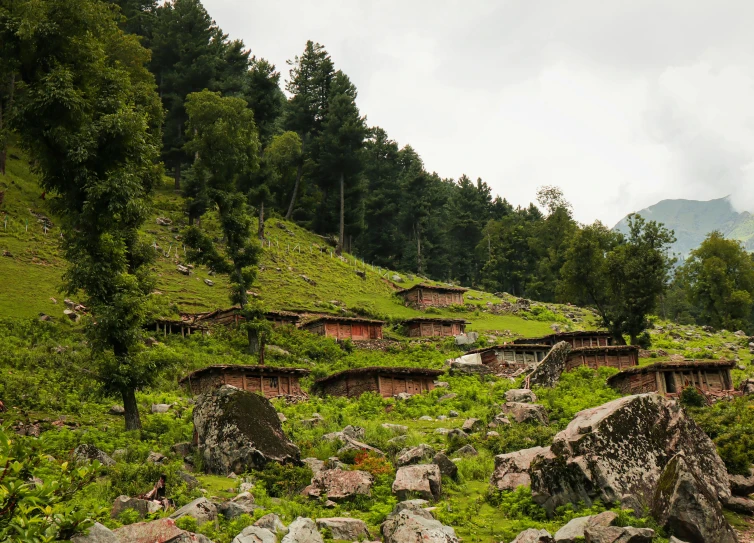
(88, 452)
(96, 534)
(616, 453)
(414, 455)
(687, 506)
(532, 535)
(522, 395)
(163, 530)
(272, 522)
(512, 469)
(201, 509)
(548, 371)
(446, 465)
(238, 431)
(303, 530)
(741, 485)
(470, 364)
(574, 530)
(525, 412)
(423, 480)
(616, 534)
(344, 528)
(340, 485)
(408, 526)
(242, 504)
(255, 534)
(142, 507)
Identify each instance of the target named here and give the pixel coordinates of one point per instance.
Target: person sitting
(157, 494)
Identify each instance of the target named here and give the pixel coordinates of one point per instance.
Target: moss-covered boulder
(237, 430)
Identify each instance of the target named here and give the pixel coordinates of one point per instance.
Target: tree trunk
(341, 235)
(260, 232)
(4, 150)
(262, 344)
(253, 338)
(191, 218)
(133, 422)
(419, 263)
(299, 173)
(178, 176)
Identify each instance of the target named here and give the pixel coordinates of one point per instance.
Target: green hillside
(298, 270)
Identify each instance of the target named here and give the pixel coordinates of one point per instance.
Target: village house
(385, 381)
(589, 338)
(269, 380)
(423, 295)
(509, 357)
(672, 377)
(175, 326)
(353, 328)
(614, 356)
(282, 318)
(434, 327)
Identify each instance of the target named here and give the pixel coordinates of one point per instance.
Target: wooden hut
(386, 381)
(673, 377)
(423, 295)
(581, 338)
(614, 356)
(281, 318)
(353, 328)
(511, 355)
(271, 381)
(175, 326)
(434, 327)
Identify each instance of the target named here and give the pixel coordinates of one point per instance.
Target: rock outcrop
(412, 526)
(548, 371)
(272, 522)
(340, 485)
(238, 431)
(446, 465)
(201, 509)
(616, 534)
(533, 535)
(142, 507)
(303, 530)
(96, 534)
(575, 529)
(741, 485)
(344, 528)
(423, 480)
(522, 395)
(616, 453)
(255, 534)
(525, 412)
(414, 455)
(87, 452)
(512, 469)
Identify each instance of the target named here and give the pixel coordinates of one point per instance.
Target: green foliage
(692, 397)
(731, 427)
(284, 480)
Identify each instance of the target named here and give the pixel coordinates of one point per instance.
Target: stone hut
(353, 328)
(615, 356)
(588, 338)
(271, 381)
(423, 295)
(673, 377)
(434, 327)
(386, 381)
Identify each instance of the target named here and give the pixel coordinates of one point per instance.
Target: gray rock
(547, 372)
(525, 412)
(533, 535)
(573, 530)
(142, 507)
(303, 530)
(87, 452)
(117, 410)
(243, 504)
(344, 528)
(339, 485)
(398, 440)
(314, 464)
(191, 481)
(397, 428)
(273, 523)
(423, 480)
(255, 534)
(156, 458)
(403, 396)
(442, 384)
(463, 367)
(452, 413)
(615, 534)
(163, 529)
(96, 534)
(160, 407)
(355, 445)
(334, 463)
(739, 504)
(471, 426)
(238, 431)
(741, 485)
(447, 467)
(492, 433)
(512, 469)
(416, 506)
(354, 432)
(182, 449)
(522, 395)
(426, 418)
(467, 338)
(410, 527)
(467, 450)
(458, 434)
(201, 509)
(686, 505)
(414, 455)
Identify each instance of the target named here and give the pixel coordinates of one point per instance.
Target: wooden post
(183, 332)
(243, 380)
(279, 378)
(659, 379)
(261, 385)
(379, 385)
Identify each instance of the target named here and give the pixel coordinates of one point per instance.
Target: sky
(620, 104)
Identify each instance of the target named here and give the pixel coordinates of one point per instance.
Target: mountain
(692, 220)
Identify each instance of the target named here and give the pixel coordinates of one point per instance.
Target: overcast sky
(621, 104)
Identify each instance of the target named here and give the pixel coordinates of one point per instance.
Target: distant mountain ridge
(692, 220)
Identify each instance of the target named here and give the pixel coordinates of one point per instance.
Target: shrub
(691, 397)
(284, 480)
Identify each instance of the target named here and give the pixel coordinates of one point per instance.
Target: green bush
(284, 480)
(730, 424)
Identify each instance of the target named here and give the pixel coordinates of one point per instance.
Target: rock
(426, 418)
(239, 431)
(156, 458)
(276, 350)
(738, 504)
(282, 417)
(164, 221)
(97, 534)
(355, 445)
(397, 428)
(525, 412)
(182, 449)
(88, 452)
(547, 372)
(255, 534)
(339, 485)
(209, 282)
(354, 432)
(499, 420)
(242, 504)
(410, 527)
(423, 480)
(533, 535)
(521, 395)
(403, 396)
(398, 440)
(416, 506)
(447, 468)
(414, 455)
(75, 317)
(334, 463)
(442, 418)
(441, 384)
(314, 464)
(512, 469)
(467, 450)
(464, 367)
(492, 433)
(471, 426)
(201, 509)
(344, 529)
(452, 413)
(741, 485)
(183, 270)
(142, 507)
(747, 385)
(457, 434)
(161, 407)
(615, 534)
(574, 530)
(303, 530)
(616, 453)
(163, 529)
(686, 505)
(396, 278)
(273, 523)
(117, 410)
(191, 481)
(314, 420)
(467, 338)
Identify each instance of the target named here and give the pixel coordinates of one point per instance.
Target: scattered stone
(308, 280)
(255, 534)
(315, 420)
(183, 270)
(345, 529)
(452, 413)
(201, 509)
(209, 282)
(423, 480)
(142, 507)
(397, 428)
(273, 523)
(303, 530)
(410, 526)
(97, 534)
(414, 455)
(398, 440)
(403, 396)
(117, 410)
(442, 418)
(426, 418)
(472, 425)
(156, 458)
(85, 452)
(239, 431)
(738, 504)
(533, 535)
(282, 417)
(741, 485)
(441, 384)
(72, 315)
(458, 434)
(525, 412)
(747, 386)
(164, 221)
(160, 407)
(339, 485)
(492, 433)
(355, 445)
(499, 420)
(334, 463)
(547, 372)
(466, 367)
(512, 469)
(314, 464)
(522, 395)
(467, 450)
(447, 467)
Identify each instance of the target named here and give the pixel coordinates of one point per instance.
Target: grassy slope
(33, 273)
